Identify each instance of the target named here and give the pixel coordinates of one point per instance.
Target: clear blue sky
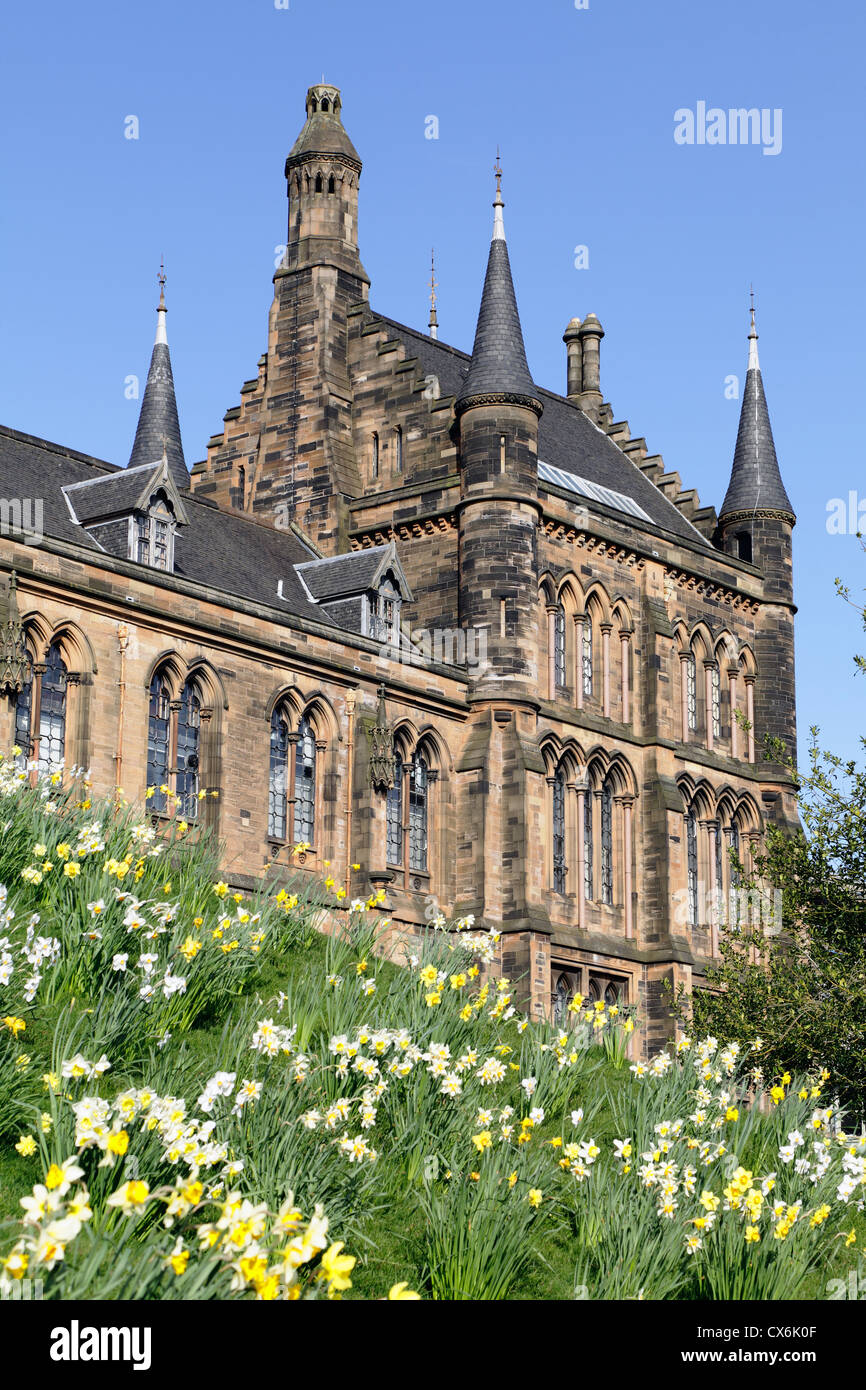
(582, 103)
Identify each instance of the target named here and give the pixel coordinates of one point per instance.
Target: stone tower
(756, 522)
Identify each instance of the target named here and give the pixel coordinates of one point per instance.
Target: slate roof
(498, 364)
(567, 439)
(158, 424)
(112, 494)
(756, 483)
(221, 549)
(341, 576)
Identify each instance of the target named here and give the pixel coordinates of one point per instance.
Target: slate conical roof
(498, 370)
(158, 426)
(756, 483)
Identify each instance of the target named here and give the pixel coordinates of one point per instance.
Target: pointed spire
(498, 371)
(158, 432)
(756, 482)
(433, 321)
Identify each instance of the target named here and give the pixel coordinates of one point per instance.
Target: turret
(756, 522)
(158, 430)
(498, 409)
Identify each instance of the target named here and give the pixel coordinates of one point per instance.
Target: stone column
(605, 659)
(627, 869)
(625, 638)
(708, 702)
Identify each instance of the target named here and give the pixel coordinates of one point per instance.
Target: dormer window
(385, 611)
(154, 534)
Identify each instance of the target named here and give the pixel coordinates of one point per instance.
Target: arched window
(607, 843)
(319, 176)
(559, 864)
(716, 699)
(691, 694)
(716, 833)
(744, 546)
(158, 742)
(374, 460)
(305, 784)
(40, 713)
(587, 653)
(418, 783)
(278, 775)
(587, 846)
(331, 185)
(394, 812)
(398, 449)
(560, 1000)
(559, 645)
(692, 866)
(188, 751)
(326, 105)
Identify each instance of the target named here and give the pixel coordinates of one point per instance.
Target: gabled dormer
(363, 591)
(134, 514)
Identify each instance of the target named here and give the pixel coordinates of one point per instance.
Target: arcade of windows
(591, 839)
(593, 985)
(716, 841)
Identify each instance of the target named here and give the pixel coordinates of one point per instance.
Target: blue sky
(581, 102)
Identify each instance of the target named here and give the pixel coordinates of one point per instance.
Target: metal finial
(161, 279)
(433, 321)
(752, 308)
(497, 169)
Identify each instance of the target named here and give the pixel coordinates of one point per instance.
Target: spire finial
(161, 311)
(433, 321)
(753, 333)
(498, 205)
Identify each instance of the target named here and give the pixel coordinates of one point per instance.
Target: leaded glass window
(587, 846)
(587, 655)
(52, 713)
(23, 717)
(691, 693)
(559, 866)
(717, 842)
(418, 782)
(153, 535)
(559, 645)
(394, 814)
(188, 752)
(560, 1002)
(158, 737)
(607, 843)
(385, 612)
(305, 784)
(692, 866)
(735, 846)
(278, 776)
(716, 693)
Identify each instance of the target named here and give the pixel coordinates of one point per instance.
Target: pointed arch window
(607, 843)
(305, 784)
(560, 1001)
(398, 449)
(154, 534)
(40, 713)
(716, 833)
(586, 649)
(332, 187)
(559, 864)
(418, 807)
(587, 846)
(189, 751)
(319, 184)
(394, 812)
(278, 775)
(691, 694)
(559, 645)
(692, 866)
(158, 742)
(716, 701)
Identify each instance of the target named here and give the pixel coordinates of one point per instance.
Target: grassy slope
(394, 1232)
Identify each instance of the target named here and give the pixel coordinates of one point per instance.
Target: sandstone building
(422, 615)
